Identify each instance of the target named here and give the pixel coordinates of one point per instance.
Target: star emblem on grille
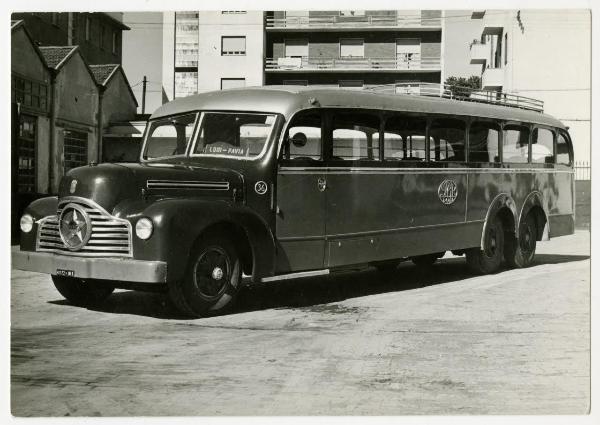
(75, 226)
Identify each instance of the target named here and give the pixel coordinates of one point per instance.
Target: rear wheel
(82, 292)
(488, 259)
(426, 260)
(211, 281)
(521, 253)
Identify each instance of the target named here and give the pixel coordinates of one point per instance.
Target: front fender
(38, 209)
(179, 222)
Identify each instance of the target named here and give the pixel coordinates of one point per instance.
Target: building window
(296, 48)
(233, 12)
(114, 41)
(186, 83)
(30, 93)
(101, 43)
(231, 83)
(352, 48)
(26, 154)
(75, 149)
(88, 28)
(186, 40)
(351, 83)
(233, 46)
(295, 82)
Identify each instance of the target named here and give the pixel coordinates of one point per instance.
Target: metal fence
(583, 170)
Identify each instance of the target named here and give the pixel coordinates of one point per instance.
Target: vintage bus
(279, 182)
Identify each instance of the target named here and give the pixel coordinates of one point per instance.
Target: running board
(295, 275)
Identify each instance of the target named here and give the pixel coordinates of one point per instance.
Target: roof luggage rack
(462, 93)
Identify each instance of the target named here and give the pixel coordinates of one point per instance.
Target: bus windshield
(233, 134)
(229, 134)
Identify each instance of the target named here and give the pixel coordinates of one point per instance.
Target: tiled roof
(103, 72)
(54, 55)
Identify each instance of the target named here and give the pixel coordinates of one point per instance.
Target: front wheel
(520, 253)
(488, 259)
(82, 292)
(211, 281)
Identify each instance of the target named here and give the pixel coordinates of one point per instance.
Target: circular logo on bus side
(260, 187)
(448, 191)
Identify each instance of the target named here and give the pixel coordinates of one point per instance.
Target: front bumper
(121, 269)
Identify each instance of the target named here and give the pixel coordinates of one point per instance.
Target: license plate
(65, 272)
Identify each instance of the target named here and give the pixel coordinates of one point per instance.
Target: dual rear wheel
(500, 244)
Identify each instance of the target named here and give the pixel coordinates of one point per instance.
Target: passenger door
(300, 222)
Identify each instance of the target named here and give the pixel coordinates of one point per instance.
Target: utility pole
(144, 95)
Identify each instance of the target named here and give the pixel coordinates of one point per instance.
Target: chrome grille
(111, 236)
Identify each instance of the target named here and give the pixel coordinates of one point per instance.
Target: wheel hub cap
(217, 273)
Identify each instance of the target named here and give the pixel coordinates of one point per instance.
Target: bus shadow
(313, 291)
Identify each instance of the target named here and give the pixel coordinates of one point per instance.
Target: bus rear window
(563, 155)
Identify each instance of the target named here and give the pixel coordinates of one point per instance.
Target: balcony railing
(407, 62)
(351, 22)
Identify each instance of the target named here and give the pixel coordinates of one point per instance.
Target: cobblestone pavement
(412, 342)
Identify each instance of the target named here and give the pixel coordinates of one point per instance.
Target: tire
(212, 279)
(521, 253)
(82, 292)
(490, 258)
(426, 260)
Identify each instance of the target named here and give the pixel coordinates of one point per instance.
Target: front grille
(111, 236)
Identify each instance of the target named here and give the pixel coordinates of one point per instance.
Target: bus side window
(303, 138)
(355, 136)
(515, 144)
(542, 146)
(562, 150)
(404, 138)
(447, 140)
(484, 139)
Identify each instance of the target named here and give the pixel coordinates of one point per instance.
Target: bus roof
(287, 100)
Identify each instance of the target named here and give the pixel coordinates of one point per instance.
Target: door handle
(322, 184)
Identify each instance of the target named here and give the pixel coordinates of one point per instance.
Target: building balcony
(479, 53)
(492, 78)
(414, 63)
(478, 14)
(352, 23)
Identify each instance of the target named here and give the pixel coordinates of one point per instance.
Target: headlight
(26, 223)
(143, 228)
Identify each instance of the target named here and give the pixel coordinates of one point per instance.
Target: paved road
(414, 342)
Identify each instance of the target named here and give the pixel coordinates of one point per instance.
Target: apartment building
(354, 48)
(543, 54)
(215, 50)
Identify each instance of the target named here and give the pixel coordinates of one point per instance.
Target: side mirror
(299, 140)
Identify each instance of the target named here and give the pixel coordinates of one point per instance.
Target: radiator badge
(448, 192)
(260, 187)
(73, 186)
